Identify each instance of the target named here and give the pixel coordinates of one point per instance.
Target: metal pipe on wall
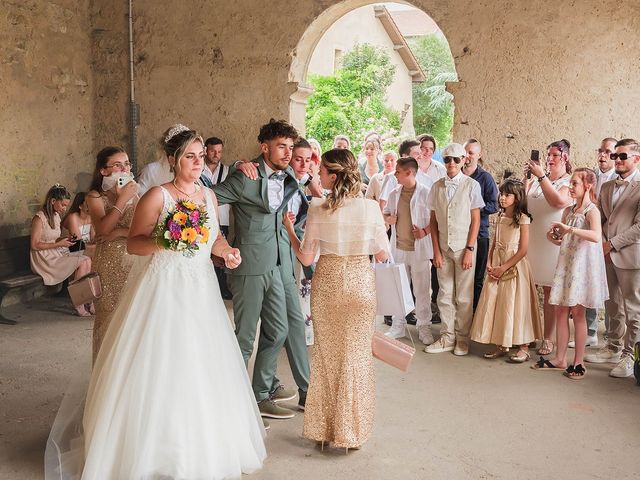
(134, 113)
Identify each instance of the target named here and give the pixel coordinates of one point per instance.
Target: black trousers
(482, 255)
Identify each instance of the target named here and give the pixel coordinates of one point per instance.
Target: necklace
(189, 195)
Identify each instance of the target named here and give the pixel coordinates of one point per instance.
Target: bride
(169, 396)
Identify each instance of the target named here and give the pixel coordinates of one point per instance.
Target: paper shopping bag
(393, 291)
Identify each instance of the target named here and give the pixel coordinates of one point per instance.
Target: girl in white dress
(169, 396)
(580, 279)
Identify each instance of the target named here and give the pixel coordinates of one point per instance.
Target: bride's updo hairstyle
(348, 184)
(176, 140)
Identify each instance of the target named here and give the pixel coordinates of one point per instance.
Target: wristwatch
(542, 177)
(470, 248)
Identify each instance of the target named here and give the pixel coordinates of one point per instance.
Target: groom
(263, 286)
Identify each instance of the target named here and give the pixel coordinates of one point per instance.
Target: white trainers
(604, 355)
(397, 331)
(591, 342)
(624, 368)
(425, 335)
(462, 348)
(439, 346)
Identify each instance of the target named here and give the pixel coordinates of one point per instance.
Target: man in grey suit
(620, 209)
(264, 287)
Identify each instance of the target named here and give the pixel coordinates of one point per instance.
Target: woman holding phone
(547, 197)
(111, 201)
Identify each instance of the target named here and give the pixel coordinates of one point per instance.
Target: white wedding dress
(169, 396)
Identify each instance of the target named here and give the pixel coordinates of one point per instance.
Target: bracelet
(116, 208)
(540, 179)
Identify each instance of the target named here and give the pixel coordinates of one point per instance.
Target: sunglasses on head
(452, 159)
(622, 156)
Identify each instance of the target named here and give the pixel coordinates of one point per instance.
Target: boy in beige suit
(455, 202)
(620, 209)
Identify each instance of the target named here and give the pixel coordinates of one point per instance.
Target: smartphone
(535, 157)
(123, 180)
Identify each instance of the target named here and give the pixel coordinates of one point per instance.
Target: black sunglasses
(454, 159)
(622, 156)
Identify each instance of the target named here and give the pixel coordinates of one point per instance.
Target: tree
(352, 101)
(432, 104)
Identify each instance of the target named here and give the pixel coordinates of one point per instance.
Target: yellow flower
(189, 234)
(204, 231)
(180, 218)
(189, 205)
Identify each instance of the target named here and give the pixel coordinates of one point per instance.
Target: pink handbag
(86, 289)
(391, 351)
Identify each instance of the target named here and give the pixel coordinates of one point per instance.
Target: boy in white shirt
(455, 202)
(407, 213)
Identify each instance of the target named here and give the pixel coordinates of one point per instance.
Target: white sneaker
(462, 348)
(439, 346)
(604, 355)
(397, 331)
(591, 342)
(425, 335)
(624, 368)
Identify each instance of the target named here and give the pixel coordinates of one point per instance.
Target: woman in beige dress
(111, 208)
(344, 229)
(49, 252)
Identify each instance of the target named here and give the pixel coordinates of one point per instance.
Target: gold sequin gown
(113, 263)
(341, 398)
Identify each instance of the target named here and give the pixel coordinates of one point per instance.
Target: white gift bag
(393, 290)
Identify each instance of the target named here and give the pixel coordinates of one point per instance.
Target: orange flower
(189, 235)
(204, 231)
(180, 218)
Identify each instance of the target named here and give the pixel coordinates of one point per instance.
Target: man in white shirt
(606, 167)
(154, 174)
(214, 172)
(434, 170)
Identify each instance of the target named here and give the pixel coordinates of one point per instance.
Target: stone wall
(530, 73)
(46, 104)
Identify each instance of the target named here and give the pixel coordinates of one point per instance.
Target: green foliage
(432, 104)
(352, 102)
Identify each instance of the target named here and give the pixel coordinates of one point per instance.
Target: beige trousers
(455, 298)
(623, 308)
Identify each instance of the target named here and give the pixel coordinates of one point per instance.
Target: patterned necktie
(277, 176)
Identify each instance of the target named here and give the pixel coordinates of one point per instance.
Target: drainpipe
(134, 112)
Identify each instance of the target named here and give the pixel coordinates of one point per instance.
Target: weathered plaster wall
(46, 120)
(530, 72)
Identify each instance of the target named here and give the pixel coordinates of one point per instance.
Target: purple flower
(194, 217)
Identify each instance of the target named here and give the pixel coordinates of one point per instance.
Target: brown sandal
(546, 348)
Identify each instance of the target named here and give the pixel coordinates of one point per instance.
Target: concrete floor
(448, 418)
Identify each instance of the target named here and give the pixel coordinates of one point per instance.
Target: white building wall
(362, 26)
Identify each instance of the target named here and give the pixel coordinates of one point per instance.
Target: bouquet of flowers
(184, 228)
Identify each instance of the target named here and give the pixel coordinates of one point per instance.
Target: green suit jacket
(256, 230)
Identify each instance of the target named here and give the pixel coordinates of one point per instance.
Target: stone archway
(301, 56)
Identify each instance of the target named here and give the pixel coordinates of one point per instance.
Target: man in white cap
(455, 202)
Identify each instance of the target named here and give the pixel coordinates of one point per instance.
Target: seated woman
(50, 256)
(77, 223)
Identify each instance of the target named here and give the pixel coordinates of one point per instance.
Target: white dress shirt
(390, 183)
(154, 174)
(451, 186)
(618, 190)
(603, 177)
(276, 187)
(217, 176)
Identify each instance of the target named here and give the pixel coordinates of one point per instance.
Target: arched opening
(398, 28)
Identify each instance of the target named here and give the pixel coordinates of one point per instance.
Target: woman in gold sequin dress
(344, 229)
(111, 208)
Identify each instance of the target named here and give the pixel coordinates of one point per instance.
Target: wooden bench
(15, 270)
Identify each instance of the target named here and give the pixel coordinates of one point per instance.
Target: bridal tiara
(175, 130)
